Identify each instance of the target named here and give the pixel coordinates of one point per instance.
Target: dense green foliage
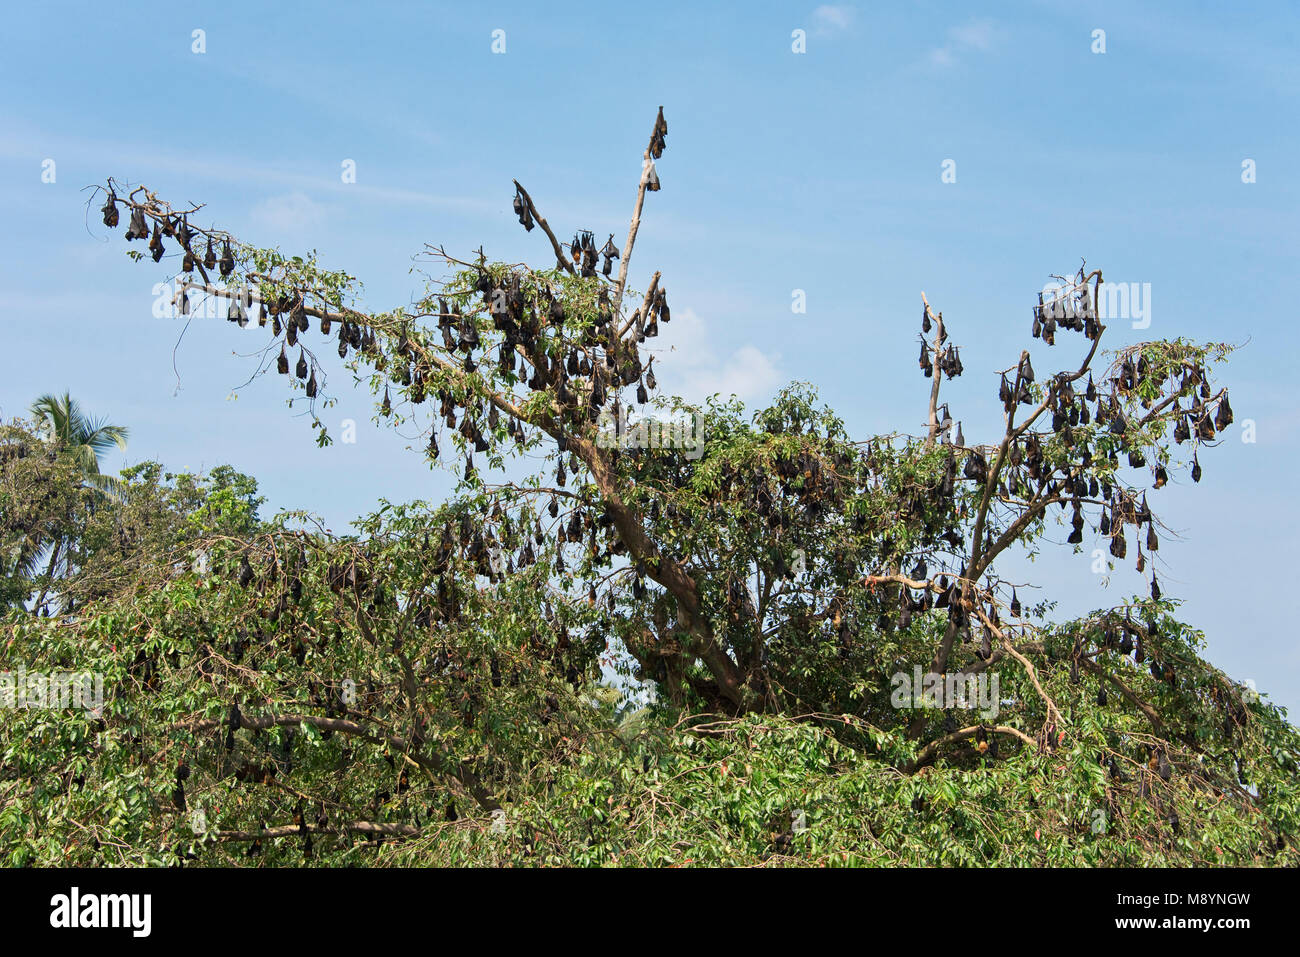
(658, 654)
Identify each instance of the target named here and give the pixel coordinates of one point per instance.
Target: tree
(68, 439)
(78, 436)
(777, 583)
(72, 436)
(41, 499)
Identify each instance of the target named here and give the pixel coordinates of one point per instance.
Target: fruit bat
(110, 211)
(1223, 415)
(282, 364)
(976, 468)
(300, 370)
(468, 333)
(227, 260)
(1118, 546)
(610, 252)
(311, 386)
(1116, 421)
(1205, 428)
(1126, 374)
(1162, 766)
(156, 244)
(652, 179)
(1026, 370)
(1196, 468)
(137, 228)
(660, 132)
(522, 211)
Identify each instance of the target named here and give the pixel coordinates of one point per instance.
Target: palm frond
(109, 485)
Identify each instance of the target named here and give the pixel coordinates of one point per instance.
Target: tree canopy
(689, 637)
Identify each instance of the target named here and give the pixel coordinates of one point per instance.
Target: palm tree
(61, 421)
(81, 439)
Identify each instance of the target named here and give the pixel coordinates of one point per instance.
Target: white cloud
(748, 373)
(941, 56)
(976, 35)
(831, 18)
(289, 212)
(689, 363)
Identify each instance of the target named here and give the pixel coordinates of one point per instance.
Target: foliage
(646, 653)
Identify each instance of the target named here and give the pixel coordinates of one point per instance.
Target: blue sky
(817, 171)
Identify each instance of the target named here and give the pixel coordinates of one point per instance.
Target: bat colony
(533, 355)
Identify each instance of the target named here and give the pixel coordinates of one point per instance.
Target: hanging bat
(110, 211)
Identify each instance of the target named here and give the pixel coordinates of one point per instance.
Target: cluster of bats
(584, 366)
(1196, 412)
(286, 314)
(547, 342)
